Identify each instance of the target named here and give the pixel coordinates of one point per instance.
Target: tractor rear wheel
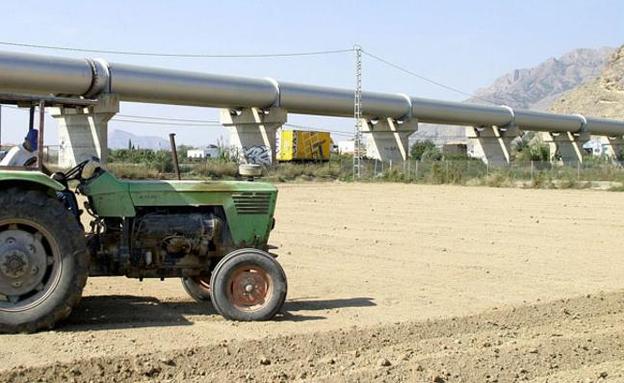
(248, 285)
(44, 261)
(197, 287)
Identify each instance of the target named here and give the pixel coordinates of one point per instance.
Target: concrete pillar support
(565, 148)
(387, 139)
(252, 132)
(83, 132)
(493, 143)
(613, 147)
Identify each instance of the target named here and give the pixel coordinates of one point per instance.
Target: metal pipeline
(162, 86)
(23, 73)
(37, 74)
(457, 113)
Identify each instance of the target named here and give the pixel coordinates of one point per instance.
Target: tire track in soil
(567, 340)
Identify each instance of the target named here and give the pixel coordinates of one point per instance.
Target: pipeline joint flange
(583, 133)
(100, 80)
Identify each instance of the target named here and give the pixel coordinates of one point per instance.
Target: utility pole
(357, 114)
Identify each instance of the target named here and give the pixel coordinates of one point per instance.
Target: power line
(253, 55)
(336, 132)
(266, 55)
(162, 123)
(135, 116)
(167, 118)
(180, 55)
(170, 121)
(437, 83)
(156, 120)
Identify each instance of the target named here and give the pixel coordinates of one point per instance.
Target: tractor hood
(248, 205)
(198, 186)
(113, 197)
(197, 193)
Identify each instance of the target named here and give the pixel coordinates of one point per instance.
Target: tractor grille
(252, 202)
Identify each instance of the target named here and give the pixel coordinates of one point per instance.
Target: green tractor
(213, 235)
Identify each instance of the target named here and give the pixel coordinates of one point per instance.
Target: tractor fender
(28, 180)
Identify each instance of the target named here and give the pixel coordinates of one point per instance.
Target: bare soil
(388, 282)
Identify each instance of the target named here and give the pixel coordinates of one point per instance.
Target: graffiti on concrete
(258, 154)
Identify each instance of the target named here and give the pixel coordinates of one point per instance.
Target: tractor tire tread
(50, 211)
(232, 314)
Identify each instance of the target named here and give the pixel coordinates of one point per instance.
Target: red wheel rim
(249, 288)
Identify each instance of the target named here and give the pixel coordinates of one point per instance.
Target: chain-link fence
(445, 171)
(462, 171)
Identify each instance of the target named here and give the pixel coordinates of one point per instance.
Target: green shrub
(538, 151)
(424, 150)
(531, 148)
(159, 160)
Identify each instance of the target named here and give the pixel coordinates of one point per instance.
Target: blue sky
(465, 44)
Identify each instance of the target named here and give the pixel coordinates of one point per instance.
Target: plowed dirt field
(387, 282)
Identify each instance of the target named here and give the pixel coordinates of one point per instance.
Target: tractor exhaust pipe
(174, 154)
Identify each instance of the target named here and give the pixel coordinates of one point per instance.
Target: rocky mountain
(119, 139)
(529, 88)
(538, 87)
(601, 97)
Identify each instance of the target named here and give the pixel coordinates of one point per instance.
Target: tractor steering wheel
(75, 173)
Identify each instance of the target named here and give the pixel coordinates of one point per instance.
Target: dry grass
(540, 175)
(133, 171)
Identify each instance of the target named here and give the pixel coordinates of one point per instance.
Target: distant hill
(538, 87)
(601, 97)
(530, 88)
(119, 139)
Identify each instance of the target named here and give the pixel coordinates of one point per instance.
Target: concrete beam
(388, 139)
(492, 143)
(252, 132)
(565, 148)
(83, 132)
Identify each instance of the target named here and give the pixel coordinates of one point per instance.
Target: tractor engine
(174, 240)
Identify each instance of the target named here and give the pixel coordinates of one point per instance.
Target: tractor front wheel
(248, 285)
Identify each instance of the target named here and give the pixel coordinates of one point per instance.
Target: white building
(368, 150)
(210, 151)
(596, 147)
(346, 147)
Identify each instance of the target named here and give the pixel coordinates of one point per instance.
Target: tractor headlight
(250, 170)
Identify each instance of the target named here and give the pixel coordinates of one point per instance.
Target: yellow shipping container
(302, 145)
